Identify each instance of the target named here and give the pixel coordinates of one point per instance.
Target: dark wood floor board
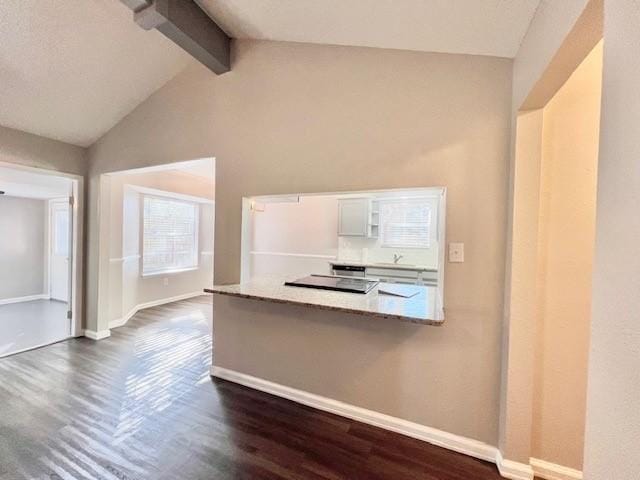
(141, 405)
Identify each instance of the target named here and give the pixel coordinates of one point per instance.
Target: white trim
(173, 195)
(553, 471)
(409, 192)
(303, 255)
(513, 470)
(124, 259)
(467, 446)
(78, 191)
(175, 271)
(119, 322)
(28, 298)
(206, 253)
(99, 335)
(164, 167)
(66, 203)
(47, 247)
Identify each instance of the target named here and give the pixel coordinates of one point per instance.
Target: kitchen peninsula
(421, 308)
(378, 353)
(347, 353)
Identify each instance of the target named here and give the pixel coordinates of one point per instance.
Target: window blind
(407, 223)
(170, 235)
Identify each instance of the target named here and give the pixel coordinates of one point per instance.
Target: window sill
(169, 272)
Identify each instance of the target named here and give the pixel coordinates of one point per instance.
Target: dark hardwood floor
(141, 405)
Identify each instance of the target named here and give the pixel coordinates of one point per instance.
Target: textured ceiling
(71, 69)
(480, 27)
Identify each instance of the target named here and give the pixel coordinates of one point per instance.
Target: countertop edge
(384, 266)
(391, 316)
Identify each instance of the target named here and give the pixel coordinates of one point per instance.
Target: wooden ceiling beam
(187, 25)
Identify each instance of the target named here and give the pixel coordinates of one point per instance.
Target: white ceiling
(204, 168)
(27, 184)
(480, 27)
(71, 69)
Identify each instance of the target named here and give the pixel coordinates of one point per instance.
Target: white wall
(301, 238)
(613, 405)
(294, 238)
(363, 249)
(23, 246)
(128, 289)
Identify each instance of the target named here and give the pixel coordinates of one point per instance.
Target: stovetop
(340, 284)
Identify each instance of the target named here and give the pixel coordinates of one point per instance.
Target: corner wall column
(516, 403)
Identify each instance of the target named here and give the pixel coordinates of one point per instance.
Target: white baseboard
(552, 471)
(513, 470)
(155, 303)
(28, 298)
(93, 335)
(467, 446)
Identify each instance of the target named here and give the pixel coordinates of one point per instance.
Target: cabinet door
(353, 217)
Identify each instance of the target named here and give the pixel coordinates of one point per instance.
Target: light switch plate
(456, 252)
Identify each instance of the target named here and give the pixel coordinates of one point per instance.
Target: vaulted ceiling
(479, 27)
(70, 70)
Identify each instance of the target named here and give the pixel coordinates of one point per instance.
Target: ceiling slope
(479, 27)
(71, 70)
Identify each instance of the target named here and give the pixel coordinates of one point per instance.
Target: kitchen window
(170, 235)
(408, 222)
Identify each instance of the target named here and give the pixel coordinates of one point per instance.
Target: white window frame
(433, 222)
(177, 199)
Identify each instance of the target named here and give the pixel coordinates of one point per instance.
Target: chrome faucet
(396, 258)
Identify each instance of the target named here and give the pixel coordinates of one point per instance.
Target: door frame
(105, 276)
(51, 204)
(76, 255)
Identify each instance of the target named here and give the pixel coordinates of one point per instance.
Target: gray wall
(613, 410)
(312, 118)
(34, 151)
(22, 247)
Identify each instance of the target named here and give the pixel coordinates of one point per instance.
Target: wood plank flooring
(141, 405)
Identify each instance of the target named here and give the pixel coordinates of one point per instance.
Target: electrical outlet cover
(456, 252)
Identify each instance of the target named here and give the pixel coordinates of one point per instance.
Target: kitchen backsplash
(368, 250)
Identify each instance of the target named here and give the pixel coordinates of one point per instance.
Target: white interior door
(60, 265)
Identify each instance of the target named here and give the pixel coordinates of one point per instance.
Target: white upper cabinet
(353, 217)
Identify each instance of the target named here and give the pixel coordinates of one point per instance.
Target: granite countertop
(421, 308)
(390, 266)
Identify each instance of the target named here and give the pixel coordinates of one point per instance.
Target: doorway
(60, 247)
(39, 252)
(156, 238)
(553, 244)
